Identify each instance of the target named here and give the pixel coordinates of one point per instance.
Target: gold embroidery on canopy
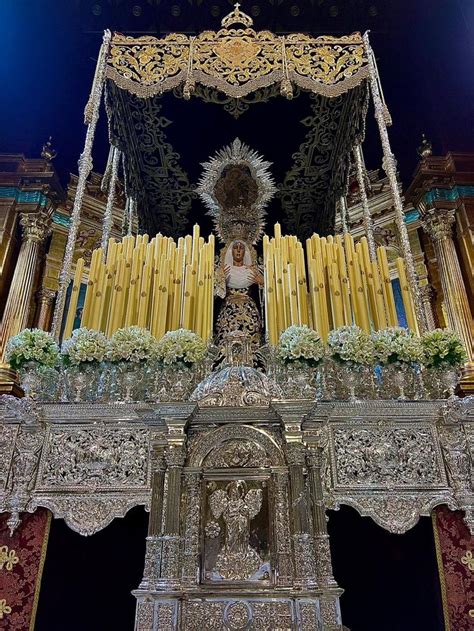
(237, 61)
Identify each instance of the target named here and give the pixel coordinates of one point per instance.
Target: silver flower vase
(129, 378)
(450, 381)
(81, 382)
(299, 381)
(30, 379)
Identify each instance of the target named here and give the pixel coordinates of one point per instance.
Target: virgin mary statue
(238, 276)
(236, 186)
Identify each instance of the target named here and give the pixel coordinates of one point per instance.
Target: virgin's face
(238, 252)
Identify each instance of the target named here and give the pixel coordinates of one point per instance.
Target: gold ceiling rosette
(237, 60)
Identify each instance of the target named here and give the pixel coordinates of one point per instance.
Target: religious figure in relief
(237, 506)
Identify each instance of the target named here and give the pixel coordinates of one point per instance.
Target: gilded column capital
(427, 293)
(36, 226)
(45, 296)
(438, 224)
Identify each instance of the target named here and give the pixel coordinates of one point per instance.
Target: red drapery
(455, 553)
(21, 565)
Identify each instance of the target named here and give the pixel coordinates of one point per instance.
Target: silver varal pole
(109, 208)
(389, 166)
(367, 217)
(343, 214)
(132, 212)
(91, 116)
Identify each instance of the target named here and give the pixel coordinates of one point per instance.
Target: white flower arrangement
(85, 345)
(397, 345)
(351, 344)
(443, 348)
(131, 344)
(180, 346)
(32, 345)
(301, 344)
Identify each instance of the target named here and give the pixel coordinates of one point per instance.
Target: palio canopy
(236, 67)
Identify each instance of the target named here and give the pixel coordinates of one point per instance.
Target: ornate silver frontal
(237, 495)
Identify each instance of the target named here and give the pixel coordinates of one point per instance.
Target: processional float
(237, 476)
(327, 283)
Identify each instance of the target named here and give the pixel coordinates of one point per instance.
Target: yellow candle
(178, 291)
(360, 296)
(371, 293)
(76, 286)
(106, 296)
(322, 301)
(314, 296)
(156, 294)
(187, 298)
(116, 302)
(387, 287)
(199, 315)
(210, 298)
(302, 285)
(323, 244)
(145, 291)
(315, 262)
(349, 251)
(379, 297)
(195, 244)
(269, 292)
(281, 313)
(126, 284)
(111, 251)
(90, 292)
(265, 244)
(336, 295)
(134, 287)
(164, 278)
(188, 248)
(346, 299)
(208, 325)
(293, 294)
(100, 289)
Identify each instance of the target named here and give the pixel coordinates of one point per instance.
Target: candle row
(286, 293)
(159, 285)
(337, 285)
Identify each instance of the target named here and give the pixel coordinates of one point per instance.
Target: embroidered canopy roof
(235, 67)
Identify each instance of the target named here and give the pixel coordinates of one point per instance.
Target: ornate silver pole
(343, 213)
(131, 214)
(368, 222)
(109, 208)
(390, 169)
(91, 116)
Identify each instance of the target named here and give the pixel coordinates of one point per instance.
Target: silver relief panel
(236, 531)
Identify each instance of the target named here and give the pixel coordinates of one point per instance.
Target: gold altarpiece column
(44, 313)
(439, 226)
(35, 229)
